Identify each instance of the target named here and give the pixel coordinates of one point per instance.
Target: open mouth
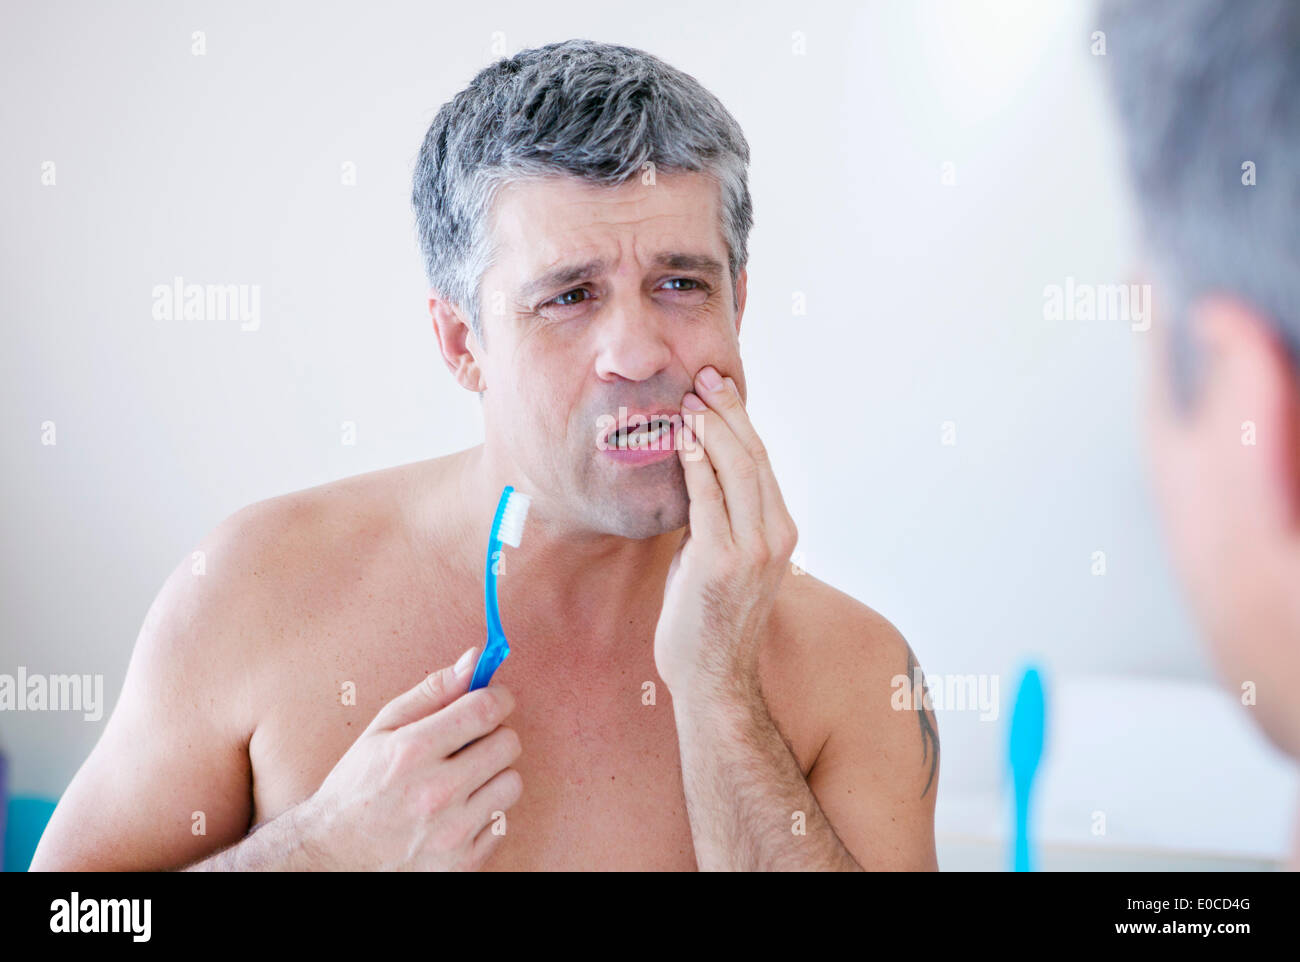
(642, 436)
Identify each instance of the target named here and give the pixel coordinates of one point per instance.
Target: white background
(924, 305)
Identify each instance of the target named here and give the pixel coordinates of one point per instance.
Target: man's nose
(631, 343)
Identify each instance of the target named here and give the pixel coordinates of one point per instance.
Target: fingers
(752, 496)
(725, 400)
(475, 764)
(773, 502)
(484, 846)
(498, 795)
(708, 508)
(736, 472)
(468, 828)
(467, 718)
(434, 692)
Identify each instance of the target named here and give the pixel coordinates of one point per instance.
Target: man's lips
(633, 420)
(641, 450)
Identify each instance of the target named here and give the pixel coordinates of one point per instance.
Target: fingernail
(462, 666)
(710, 378)
(693, 402)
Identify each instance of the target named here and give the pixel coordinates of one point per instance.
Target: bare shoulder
(833, 642)
(203, 670)
(822, 625)
(278, 565)
(848, 671)
(278, 528)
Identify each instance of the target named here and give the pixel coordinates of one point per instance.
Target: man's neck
(591, 588)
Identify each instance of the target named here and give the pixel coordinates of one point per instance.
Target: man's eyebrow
(699, 263)
(572, 273)
(561, 276)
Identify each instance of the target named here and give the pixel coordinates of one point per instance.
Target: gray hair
(1204, 89)
(590, 110)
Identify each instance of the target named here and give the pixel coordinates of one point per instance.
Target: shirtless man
(673, 700)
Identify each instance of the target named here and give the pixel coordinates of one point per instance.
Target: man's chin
(639, 529)
(646, 510)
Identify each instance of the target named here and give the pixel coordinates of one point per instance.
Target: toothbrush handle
(494, 652)
(1022, 834)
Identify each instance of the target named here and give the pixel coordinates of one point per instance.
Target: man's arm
(868, 802)
(278, 845)
(744, 791)
(877, 775)
(169, 780)
(749, 805)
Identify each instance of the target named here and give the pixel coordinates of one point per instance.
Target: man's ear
(1252, 399)
(460, 348)
(740, 297)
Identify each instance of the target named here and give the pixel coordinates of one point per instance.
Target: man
(672, 701)
(1209, 99)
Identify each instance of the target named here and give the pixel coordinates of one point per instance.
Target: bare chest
(600, 762)
(602, 787)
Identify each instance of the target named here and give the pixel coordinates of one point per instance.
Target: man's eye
(685, 280)
(562, 302)
(567, 299)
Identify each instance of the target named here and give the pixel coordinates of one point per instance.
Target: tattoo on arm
(929, 732)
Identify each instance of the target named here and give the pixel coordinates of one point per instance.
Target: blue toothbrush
(1025, 751)
(507, 527)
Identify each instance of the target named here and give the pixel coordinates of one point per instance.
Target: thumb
(434, 692)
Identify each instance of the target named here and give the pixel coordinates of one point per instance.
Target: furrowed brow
(560, 276)
(567, 274)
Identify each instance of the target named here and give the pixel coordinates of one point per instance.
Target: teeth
(645, 435)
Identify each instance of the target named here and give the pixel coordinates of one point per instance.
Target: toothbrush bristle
(512, 519)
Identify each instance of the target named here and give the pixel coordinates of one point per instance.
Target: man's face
(601, 298)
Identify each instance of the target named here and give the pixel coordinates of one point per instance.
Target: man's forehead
(540, 225)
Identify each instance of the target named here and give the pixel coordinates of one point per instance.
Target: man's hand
(724, 578)
(411, 793)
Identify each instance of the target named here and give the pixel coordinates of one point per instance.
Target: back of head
(1208, 96)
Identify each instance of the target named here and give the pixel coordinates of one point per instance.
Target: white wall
(924, 306)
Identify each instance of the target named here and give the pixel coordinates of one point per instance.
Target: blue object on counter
(25, 823)
(1025, 750)
(4, 804)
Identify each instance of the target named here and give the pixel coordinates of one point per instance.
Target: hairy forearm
(749, 805)
(279, 845)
